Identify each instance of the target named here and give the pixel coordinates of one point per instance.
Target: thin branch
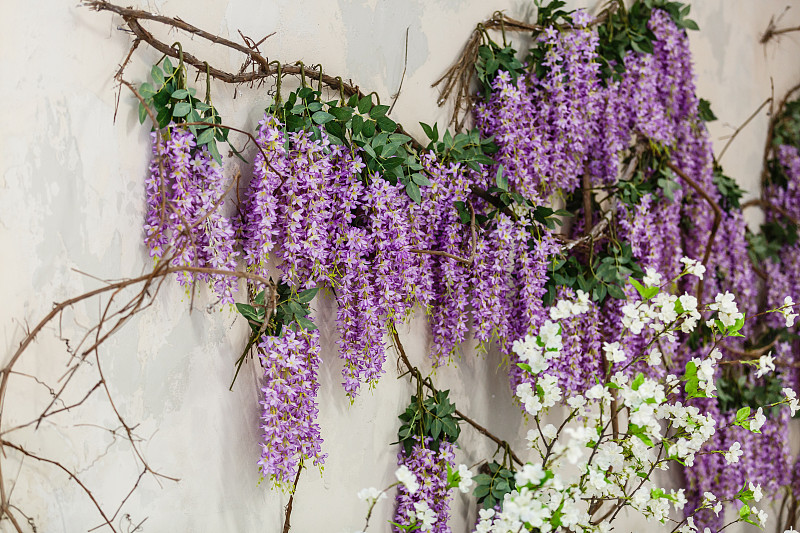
(287, 520)
(776, 116)
(751, 354)
(766, 204)
(742, 126)
(265, 70)
(717, 218)
(67, 471)
(396, 95)
(416, 373)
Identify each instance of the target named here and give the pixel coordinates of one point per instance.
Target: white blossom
(407, 478)
(758, 420)
(465, 477)
(734, 453)
(694, 267)
(788, 307)
(794, 405)
(423, 514)
(614, 352)
(651, 278)
(756, 489)
(728, 312)
(371, 493)
(766, 364)
(530, 473)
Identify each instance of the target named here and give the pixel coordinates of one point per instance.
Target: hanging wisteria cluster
(426, 502)
(342, 200)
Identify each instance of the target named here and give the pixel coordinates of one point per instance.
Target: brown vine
(416, 374)
(265, 68)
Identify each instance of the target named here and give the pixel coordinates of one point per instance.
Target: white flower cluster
(661, 313)
(758, 420)
(546, 394)
(465, 478)
(538, 351)
(766, 364)
(567, 309)
(791, 397)
(615, 464)
(693, 267)
(422, 515)
(705, 371)
(407, 478)
(371, 495)
(786, 310)
(606, 468)
(726, 307)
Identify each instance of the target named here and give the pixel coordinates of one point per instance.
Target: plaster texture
(72, 164)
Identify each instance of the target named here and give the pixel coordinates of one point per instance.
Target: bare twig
(742, 126)
(76, 479)
(396, 95)
(776, 116)
(457, 81)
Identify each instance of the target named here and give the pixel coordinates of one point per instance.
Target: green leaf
(212, 149)
(378, 111)
(297, 309)
(307, 295)
(481, 491)
(142, 113)
(429, 132)
(146, 91)
(742, 415)
(163, 117)
(180, 94)
(501, 179)
(157, 75)
(689, 24)
(638, 381)
(420, 179)
(365, 104)
(386, 124)
(321, 117)
(615, 292)
(181, 109)
(305, 323)
(412, 190)
(705, 112)
(526, 367)
(436, 428)
(744, 512)
(341, 113)
(205, 136)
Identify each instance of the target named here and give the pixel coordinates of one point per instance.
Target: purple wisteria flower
(289, 404)
(184, 220)
(430, 469)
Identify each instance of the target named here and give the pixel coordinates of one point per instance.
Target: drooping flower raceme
(289, 404)
(184, 220)
(424, 496)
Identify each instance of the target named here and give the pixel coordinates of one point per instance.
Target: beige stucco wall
(71, 183)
